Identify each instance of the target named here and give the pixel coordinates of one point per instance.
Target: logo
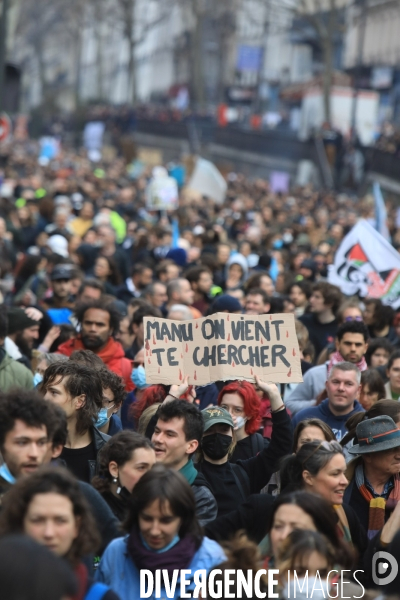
(214, 411)
(384, 568)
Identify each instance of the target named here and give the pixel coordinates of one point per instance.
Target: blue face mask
(37, 378)
(139, 377)
(102, 418)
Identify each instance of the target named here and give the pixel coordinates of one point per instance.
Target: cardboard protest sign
(221, 347)
(208, 181)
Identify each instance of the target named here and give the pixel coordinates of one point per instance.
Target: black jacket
(206, 505)
(252, 515)
(253, 474)
(100, 439)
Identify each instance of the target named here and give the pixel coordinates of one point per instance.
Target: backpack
(97, 591)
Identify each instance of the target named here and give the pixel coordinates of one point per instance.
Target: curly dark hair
(353, 327)
(27, 406)
(87, 358)
(78, 380)
(115, 315)
(47, 480)
(115, 383)
(165, 485)
(118, 449)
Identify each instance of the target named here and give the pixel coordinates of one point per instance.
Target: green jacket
(14, 374)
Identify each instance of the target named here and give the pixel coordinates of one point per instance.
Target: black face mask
(216, 445)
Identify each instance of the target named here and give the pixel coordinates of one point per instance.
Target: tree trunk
(98, 24)
(78, 70)
(131, 72)
(197, 61)
(42, 69)
(327, 77)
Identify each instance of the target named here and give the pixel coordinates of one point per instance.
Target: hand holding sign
(272, 392)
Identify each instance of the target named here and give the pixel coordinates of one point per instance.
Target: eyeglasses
(333, 447)
(348, 319)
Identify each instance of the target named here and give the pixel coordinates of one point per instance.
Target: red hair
(251, 403)
(154, 394)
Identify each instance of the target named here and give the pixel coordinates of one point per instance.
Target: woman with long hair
(106, 270)
(49, 507)
(319, 468)
(302, 510)
(240, 399)
(310, 566)
(125, 458)
(162, 533)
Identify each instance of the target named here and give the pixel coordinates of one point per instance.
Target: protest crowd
(107, 472)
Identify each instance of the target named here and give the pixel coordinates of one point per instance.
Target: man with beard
(22, 333)
(99, 321)
(61, 282)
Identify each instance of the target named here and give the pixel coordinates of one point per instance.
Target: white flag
(366, 264)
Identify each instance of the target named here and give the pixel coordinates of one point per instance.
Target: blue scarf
(6, 474)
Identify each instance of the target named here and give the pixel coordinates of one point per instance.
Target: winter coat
(13, 373)
(112, 355)
(119, 572)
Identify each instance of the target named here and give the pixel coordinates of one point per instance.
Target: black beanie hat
(19, 320)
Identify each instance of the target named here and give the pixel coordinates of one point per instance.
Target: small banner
(221, 347)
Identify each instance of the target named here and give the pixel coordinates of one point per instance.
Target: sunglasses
(348, 319)
(330, 446)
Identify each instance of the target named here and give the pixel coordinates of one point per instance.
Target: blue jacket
(336, 422)
(119, 572)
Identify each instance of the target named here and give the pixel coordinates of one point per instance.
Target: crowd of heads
(232, 475)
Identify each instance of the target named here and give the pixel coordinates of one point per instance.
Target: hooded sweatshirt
(112, 355)
(336, 422)
(237, 259)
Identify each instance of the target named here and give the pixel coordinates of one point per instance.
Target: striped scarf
(377, 506)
